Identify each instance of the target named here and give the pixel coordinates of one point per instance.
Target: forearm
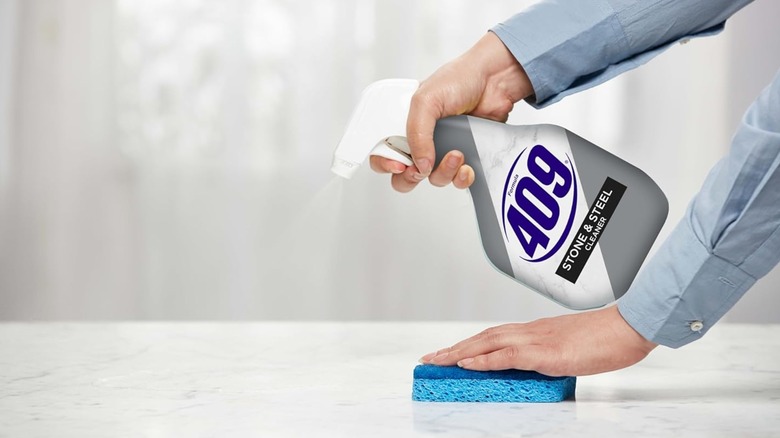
(729, 237)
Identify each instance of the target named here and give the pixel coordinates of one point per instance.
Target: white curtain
(170, 159)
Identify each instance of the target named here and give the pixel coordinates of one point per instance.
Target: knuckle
(481, 361)
(511, 353)
(422, 97)
(495, 330)
(489, 331)
(409, 179)
(504, 109)
(425, 100)
(493, 339)
(405, 176)
(483, 334)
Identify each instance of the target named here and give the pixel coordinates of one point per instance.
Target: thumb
(424, 111)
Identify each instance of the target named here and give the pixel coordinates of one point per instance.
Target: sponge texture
(454, 384)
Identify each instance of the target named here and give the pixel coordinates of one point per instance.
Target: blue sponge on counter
(454, 384)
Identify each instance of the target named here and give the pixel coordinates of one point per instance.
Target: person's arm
(729, 237)
(571, 45)
(486, 81)
(550, 50)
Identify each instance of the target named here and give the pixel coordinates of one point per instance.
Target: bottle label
(556, 212)
(591, 229)
(537, 193)
(539, 202)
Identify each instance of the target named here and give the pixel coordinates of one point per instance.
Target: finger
(407, 180)
(482, 346)
(491, 331)
(386, 165)
(465, 177)
(512, 357)
(447, 170)
(504, 328)
(423, 113)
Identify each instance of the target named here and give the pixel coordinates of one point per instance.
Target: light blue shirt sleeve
(567, 46)
(730, 234)
(728, 238)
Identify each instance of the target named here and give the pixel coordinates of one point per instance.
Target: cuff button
(696, 326)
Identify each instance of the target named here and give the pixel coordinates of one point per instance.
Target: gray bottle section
(455, 133)
(638, 219)
(631, 231)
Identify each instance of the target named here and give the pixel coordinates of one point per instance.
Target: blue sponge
(454, 384)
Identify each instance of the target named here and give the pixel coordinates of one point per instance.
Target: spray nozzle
(377, 126)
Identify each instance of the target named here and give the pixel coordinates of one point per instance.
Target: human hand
(486, 81)
(570, 345)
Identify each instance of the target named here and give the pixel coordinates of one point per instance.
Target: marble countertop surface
(353, 379)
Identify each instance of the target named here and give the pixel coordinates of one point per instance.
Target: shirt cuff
(565, 49)
(682, 291)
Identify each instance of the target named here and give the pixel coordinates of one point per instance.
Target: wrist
(636, 339)
(499, 68)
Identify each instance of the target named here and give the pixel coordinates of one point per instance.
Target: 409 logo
(539, 202)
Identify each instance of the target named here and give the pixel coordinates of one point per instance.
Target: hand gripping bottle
(555, 212)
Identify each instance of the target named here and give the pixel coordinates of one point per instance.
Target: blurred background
(170, 159)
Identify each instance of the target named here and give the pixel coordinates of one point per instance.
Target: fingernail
(465, 362)
(453, 160)
(427, 357)
(396, 170)
(424, 165)
(440, 357)
(418, 176)
(463, 174)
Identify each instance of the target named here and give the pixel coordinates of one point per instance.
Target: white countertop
(287, 379)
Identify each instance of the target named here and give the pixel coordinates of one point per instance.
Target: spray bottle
(555, 212)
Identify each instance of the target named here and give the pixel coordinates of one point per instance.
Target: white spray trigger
(376, 126)
(394, 148)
